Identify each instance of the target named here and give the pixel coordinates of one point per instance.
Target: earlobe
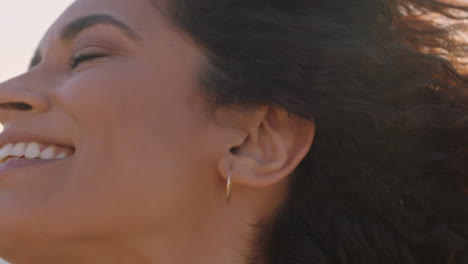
(274, 147)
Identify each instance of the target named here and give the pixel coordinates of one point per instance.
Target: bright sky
(22, 25)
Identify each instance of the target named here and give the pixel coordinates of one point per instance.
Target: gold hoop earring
(228, 187)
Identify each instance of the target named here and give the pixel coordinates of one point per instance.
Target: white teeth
(18, 150)
(32, 150)
(48, 153)
(61, 155)
(5, 151)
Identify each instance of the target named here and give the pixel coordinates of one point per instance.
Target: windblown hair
(386, 178)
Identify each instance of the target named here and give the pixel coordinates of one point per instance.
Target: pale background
(22, 24)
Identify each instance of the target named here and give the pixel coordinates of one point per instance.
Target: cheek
(139, 151)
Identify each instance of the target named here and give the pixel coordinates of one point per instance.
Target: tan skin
(146, 183)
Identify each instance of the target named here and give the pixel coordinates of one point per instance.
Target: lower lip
(21, 163)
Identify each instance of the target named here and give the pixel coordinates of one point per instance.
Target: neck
(227, 240)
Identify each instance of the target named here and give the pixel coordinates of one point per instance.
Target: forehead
(140, 15)
(130, 8)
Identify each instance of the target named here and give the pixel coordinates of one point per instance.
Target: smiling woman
(238, 132)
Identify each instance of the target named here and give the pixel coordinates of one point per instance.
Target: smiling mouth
(33, 151)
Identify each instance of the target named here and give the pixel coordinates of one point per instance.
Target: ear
(274, 143)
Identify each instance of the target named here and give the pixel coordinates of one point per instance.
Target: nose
(18, 98)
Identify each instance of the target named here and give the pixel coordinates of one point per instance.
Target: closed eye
(75, 61)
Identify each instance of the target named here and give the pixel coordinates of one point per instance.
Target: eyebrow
(78, 25)
(75, 27)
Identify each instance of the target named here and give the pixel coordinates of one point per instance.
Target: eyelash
(75, 61)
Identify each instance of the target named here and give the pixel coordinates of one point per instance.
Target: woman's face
(143, 159)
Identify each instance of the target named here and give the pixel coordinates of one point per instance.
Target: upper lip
(15, 136)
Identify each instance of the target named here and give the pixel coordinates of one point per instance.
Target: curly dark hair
(386, 179)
